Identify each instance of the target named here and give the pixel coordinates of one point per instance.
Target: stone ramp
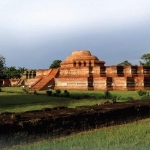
(42, 83)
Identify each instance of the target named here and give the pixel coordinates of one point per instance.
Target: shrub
(55, 94)
(130, 98)
(65, 91)
(107, 94)
(35, 93)
(58, 91)
(144, 97)
(49, 93)
(66, 94)
(141, 93)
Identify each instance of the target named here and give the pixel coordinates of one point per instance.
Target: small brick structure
(11, 82)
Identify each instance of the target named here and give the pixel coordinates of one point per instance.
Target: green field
(11, 99)
(135, 136)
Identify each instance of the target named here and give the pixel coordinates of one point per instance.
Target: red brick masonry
(83, 71)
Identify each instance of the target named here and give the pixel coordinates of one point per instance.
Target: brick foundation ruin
(62, 120)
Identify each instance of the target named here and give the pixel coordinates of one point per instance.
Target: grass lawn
(132, 136)
(17, 102)
(11, 99)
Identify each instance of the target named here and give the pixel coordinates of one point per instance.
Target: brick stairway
(20, 82)
(44, 82)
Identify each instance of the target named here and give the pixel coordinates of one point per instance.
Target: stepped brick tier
(83, 71)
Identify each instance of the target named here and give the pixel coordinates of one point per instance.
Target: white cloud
(63, 14)
(42, 26)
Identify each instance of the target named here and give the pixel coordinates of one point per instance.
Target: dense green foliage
(13, 72)
(9, 72)
(2, 65)
(146, 60)
(55, 64)
(49, 93)
(141, 92)
(124, 63)
(58, 93)
(66, 93)
(144, 95)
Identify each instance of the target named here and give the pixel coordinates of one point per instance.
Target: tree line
(9, 72)
(145, 61)
(13, 72)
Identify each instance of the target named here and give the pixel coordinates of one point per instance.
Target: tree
(55, 64)
(146, 60)
(125, 63)
(12, 72)
(2, 65)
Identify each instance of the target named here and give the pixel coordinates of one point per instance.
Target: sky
(34, 33)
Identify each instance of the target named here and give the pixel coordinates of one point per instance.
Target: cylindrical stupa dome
(81, 56)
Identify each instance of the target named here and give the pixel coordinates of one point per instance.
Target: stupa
(78, 70)
(83, 71)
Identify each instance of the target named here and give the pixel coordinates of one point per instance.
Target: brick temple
(83, 71)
